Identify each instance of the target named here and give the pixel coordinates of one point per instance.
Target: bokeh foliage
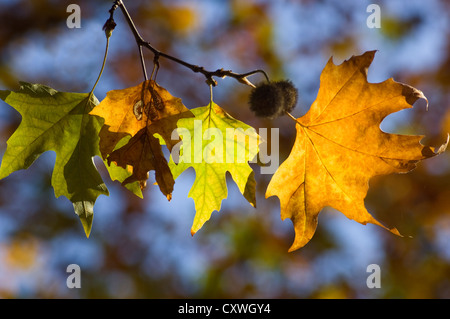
(143, 248)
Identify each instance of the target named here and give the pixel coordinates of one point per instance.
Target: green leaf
(118, 173)
(214, 143)
(59, 122)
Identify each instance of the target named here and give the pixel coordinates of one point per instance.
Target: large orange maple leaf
(340, 146)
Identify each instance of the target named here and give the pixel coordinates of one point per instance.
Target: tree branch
(209, 75)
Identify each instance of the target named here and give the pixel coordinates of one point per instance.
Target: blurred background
(142, 248)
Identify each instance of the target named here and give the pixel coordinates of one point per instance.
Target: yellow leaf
(339, 147)
(215, 143)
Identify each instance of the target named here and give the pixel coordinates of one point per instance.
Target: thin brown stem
(292, 117)
(144, 70)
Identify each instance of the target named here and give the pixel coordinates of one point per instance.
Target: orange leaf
(339, 147)
(130, 110)
(140, 111)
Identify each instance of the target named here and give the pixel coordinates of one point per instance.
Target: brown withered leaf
(109, 140)
(143, 152)
(140, 111)
(340, 146)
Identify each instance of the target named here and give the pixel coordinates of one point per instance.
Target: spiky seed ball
(290, 94)
(273, 99)
(266, 100)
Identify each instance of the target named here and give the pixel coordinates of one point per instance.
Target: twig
(209, 75)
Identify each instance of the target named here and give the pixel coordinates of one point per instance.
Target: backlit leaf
(141, 112)
(214, 143)
(339, 147)
(59, 122)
